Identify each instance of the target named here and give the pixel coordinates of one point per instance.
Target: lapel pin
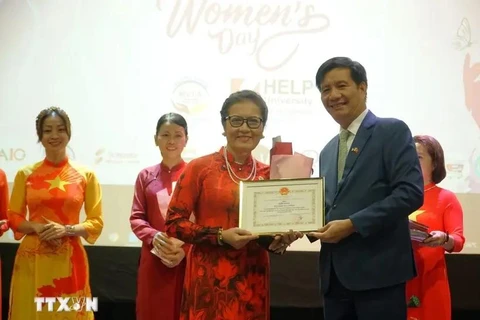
(355, 150)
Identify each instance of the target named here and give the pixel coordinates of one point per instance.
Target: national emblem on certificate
(277, 206)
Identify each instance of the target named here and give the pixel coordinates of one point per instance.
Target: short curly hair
(244, 95)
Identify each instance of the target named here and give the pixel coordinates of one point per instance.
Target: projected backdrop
(117, 66)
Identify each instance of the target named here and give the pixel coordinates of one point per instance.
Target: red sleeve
(3, 200)
(453, 222)
(186, 248)
(182, 204)
(138, 218)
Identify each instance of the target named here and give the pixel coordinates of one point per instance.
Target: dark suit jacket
(381, 185)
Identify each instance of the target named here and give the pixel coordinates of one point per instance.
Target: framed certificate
(275, 206)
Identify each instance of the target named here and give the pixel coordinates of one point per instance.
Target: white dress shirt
(354, 126)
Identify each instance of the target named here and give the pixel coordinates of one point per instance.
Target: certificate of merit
(276, 206)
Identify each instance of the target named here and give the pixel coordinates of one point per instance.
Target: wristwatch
(70, 230)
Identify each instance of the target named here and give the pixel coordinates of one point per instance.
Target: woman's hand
(163, 244)
(173, 259)
(237, 238)
(168, 250)
(52, 231)
(437, 239)
(37, 227)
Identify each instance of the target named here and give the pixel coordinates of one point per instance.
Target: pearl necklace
(232, 174)
(429, 188)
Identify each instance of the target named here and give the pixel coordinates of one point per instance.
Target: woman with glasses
(227, 273)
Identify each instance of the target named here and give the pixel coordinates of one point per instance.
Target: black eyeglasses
(237, 121)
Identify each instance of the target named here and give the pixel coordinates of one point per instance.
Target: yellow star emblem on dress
(57, 183)
(413, 216)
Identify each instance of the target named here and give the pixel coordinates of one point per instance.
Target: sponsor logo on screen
(12, 154)
(278, 92)
(103, 155)
(190, 96)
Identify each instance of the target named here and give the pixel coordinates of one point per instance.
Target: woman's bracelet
(70, 230)
(220, 236)
(447, 237)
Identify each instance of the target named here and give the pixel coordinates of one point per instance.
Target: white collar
(355, 125)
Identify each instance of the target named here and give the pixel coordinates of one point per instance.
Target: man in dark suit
(373, 181)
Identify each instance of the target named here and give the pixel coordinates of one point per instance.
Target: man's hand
(334, 231)
(282, 241)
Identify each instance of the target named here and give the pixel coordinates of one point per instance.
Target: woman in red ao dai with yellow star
(51, 260)
(428, 295)
(227, 272)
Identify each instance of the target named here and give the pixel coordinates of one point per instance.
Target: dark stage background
(294, 283)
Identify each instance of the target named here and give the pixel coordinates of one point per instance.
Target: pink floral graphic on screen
(471, 82)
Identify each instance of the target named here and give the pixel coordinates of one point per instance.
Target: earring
(224, 134)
